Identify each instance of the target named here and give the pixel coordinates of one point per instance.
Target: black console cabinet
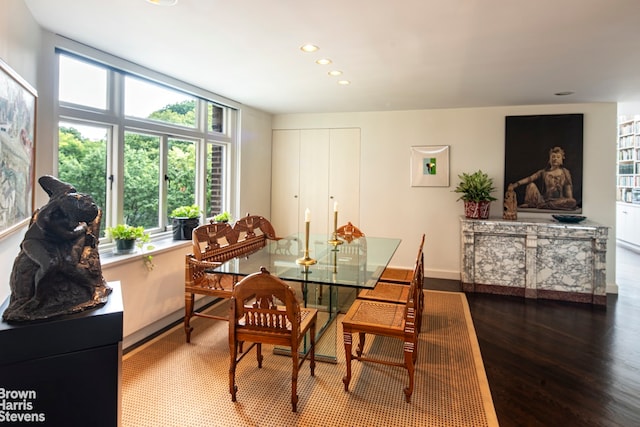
(64, 372)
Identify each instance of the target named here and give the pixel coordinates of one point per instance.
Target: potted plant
(184, 220)
(126, 236)
(476, 191)
(223, 217)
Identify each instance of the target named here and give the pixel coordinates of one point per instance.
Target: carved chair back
(264, 310)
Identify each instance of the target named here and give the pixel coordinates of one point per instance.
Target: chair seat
(388, 292)
(399, 275)
(380, 318)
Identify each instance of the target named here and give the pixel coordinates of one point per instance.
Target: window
(82, 159)
(147, 100)
(90, 90)
(139, 147)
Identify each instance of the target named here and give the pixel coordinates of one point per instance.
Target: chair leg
(360, 348)
(233, 349)
(259, 354)
(188, 312)
(347, 337)
(409, 358)
(294, 377)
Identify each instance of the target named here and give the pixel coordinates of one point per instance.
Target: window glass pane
(215, 116)
(215, 180)
(181, 171)
(147, 100)
(141, 179)
(82, 161)
(82, 83)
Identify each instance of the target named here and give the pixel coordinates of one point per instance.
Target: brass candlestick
(306, 260)
(335, 241)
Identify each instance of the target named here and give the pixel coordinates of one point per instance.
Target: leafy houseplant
(223, 217)
(184, 219)
(192, 211)
(476, 189)
(127, 237)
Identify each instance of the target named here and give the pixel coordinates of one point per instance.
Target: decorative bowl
(570, 218)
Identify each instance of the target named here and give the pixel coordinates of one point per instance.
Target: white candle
(335, 206)
(307, 215)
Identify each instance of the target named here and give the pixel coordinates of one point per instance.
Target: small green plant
(126, 232)
(223, 217)
(129, 232)
(192, 211)
(475, 187)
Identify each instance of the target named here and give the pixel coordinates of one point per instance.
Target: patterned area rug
(167, 382)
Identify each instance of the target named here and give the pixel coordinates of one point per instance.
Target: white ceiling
(398, 54)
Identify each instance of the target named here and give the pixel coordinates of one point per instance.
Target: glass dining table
(330, 284)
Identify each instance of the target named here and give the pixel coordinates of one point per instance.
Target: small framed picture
(430, 166)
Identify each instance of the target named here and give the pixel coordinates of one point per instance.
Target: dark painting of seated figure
(532, 141)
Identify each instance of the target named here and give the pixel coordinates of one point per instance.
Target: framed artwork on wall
(430, 166)
(17, 149)
(543, 162)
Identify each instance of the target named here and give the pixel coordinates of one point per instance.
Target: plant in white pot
(184, 220)
(476, 189)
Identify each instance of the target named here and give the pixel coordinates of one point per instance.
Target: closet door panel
(344, 175)
(285, 191)
(314, 178)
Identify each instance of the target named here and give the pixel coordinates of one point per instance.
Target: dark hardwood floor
(552, 363)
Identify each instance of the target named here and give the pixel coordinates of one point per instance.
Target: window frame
(117, 123)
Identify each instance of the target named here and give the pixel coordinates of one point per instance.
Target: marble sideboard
(535, 258)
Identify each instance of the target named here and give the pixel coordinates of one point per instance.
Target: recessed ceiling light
(309, 48)
(564, 93)
(163, 2)
(344, 82)
(323, 61)
(335, 73)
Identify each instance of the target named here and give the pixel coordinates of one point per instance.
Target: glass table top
(358, 263)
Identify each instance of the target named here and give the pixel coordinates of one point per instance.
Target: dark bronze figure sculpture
(58, 269)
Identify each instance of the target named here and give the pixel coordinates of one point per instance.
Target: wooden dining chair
(213, 244)
(398, 293)
(265, 310)
(387, 320)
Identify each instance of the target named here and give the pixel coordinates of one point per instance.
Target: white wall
(629, 109)
(391, 207)
(20, 39)
(254, 163)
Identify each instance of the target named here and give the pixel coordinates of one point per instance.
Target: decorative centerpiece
(184, 220)
(476, 191)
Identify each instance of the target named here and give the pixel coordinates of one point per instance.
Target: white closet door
(344, 176)
(314, 180)
(285, 191)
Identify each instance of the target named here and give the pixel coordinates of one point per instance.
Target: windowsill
(162, 243)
